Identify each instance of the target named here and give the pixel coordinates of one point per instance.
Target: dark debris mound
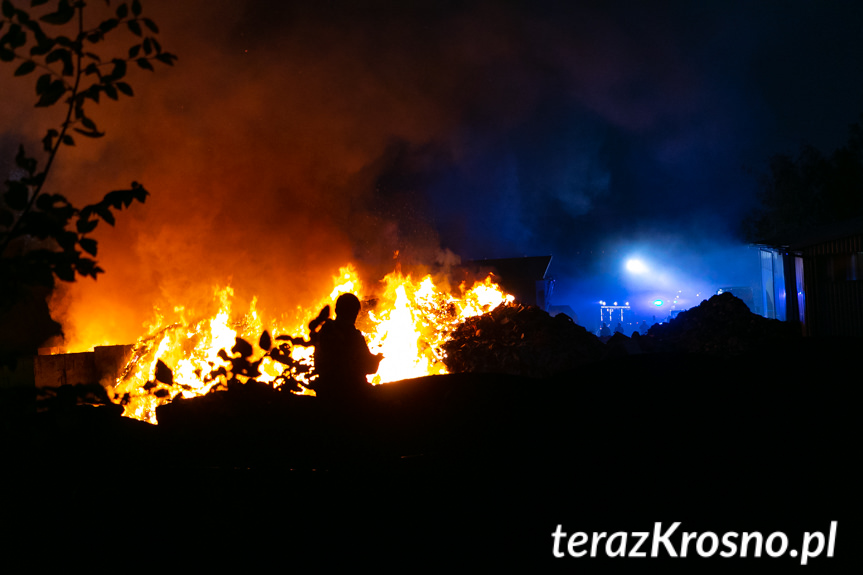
(520, 340)
(721, 325)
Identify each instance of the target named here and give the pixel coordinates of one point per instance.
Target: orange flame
(408, 323)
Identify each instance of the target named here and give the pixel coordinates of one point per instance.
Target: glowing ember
(408, 323)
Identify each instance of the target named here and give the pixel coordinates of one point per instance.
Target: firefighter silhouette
(342, 357)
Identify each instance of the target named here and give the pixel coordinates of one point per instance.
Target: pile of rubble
(520, 340)
(721, 325)
(524, 340)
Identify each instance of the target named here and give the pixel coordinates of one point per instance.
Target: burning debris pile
(420, 329)
(520, 340)
(721, 325)
(407, 322)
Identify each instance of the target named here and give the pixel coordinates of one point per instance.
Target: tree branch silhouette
(42, 235)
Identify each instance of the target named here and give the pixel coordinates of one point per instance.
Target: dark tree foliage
(42, 235)
(807, 191)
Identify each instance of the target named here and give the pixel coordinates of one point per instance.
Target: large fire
(407, 322)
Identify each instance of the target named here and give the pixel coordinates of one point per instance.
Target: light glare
(635, 266)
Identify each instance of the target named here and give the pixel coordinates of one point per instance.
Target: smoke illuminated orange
(407, 322)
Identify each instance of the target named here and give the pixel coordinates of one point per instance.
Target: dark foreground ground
(468, 471)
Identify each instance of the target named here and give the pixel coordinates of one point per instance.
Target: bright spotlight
(658, 303)
(635, 266)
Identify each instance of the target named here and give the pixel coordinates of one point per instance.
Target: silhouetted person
(604, 331)
(618, 328)
(643, 328)
(342, 357)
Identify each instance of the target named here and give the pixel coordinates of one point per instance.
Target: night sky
(292, 137)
